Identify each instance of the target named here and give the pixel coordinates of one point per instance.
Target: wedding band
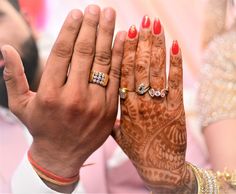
(99, 78)
(158, 93)
(142, 89)
(123, 93)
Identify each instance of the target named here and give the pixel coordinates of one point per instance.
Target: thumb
(14, 76)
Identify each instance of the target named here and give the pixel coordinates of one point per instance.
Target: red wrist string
(51, 177)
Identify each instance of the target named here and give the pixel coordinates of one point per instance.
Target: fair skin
(222, 153)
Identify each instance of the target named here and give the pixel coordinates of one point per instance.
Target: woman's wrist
(185, 182)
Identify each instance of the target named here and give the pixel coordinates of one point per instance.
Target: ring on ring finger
(99, 78)
(158, 93)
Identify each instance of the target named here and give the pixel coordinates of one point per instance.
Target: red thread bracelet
(51, 175)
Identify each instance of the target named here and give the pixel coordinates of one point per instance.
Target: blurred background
(181, 20)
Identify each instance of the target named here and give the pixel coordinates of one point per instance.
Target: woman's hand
(69, 118)
(153, 129)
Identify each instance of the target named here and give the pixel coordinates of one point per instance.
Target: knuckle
(62, 49)
(48, 101)
(74, 106)
(155, 73)
(107, 30)
(119, 52)
(90, 22)
(7, 75)
(115, 72)
(72, 29)
(103, 58)
(84, 48)
(95, 109)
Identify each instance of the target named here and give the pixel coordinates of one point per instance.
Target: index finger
(58, 62)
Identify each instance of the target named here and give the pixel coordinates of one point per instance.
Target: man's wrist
(58, 170)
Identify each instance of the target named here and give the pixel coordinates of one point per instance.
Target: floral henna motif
(153, 130)
(154, 138)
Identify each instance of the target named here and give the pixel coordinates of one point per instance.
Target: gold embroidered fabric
(217, 91)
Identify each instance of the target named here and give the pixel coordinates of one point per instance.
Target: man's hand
(153, 130)
(69, 118)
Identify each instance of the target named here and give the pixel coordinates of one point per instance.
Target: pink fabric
(12, 148)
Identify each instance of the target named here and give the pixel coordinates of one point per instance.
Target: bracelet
(228, 177)
(206, 180)
(51, 177)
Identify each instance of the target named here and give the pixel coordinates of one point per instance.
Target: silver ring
(164, 92)
(142, 89)
(158, 93)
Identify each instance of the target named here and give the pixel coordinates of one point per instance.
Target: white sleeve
(26, 181)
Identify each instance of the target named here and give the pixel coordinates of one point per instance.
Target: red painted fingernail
(175, 47)
(157, 27)
(146, 22)
(132, 32)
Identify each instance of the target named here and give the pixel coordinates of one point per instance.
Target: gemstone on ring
(99, 78)
(164, 92)
(142, 89)
(158, 93)
(152, 92)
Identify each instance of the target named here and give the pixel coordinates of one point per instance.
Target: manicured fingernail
(93, 9)
(175, 47)
(75, 14)
(132, 32)
(157, 27)
(146, 22)
(109, 14)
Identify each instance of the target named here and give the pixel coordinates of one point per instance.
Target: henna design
(153, 132)
(127, 70)
(143, 58)
(158, 60)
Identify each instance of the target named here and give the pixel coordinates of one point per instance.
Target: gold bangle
(198, 177)
(228, 177)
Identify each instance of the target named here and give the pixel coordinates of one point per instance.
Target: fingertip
(8, 50)
(132, 33)
(93, 9)
(109, 13)
(175, 49)
(76, 14)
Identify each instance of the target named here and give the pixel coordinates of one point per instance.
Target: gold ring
(123, 93)
(99, 78)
